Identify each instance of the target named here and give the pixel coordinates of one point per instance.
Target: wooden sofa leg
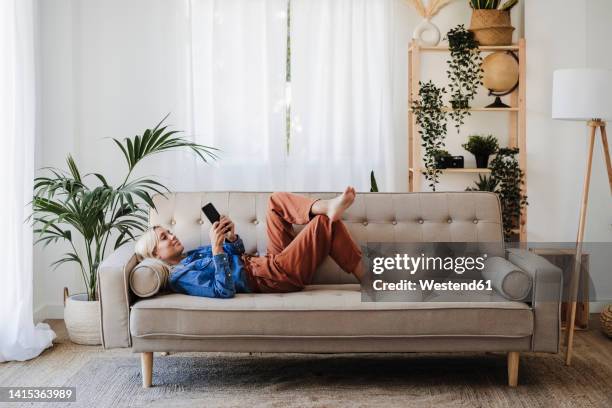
(513, 368)
(146, 360)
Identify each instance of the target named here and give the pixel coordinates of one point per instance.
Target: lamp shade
(582, 94)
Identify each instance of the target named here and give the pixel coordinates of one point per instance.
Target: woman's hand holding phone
(219, 231)
(231, 234)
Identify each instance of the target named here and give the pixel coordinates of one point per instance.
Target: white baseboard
(597, 307)
(48, 312)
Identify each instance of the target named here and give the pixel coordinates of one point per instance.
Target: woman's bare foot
(335, 207)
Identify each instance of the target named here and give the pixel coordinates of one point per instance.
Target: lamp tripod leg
(606, 152)
(577, 262)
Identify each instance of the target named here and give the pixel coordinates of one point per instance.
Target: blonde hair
(146, 244)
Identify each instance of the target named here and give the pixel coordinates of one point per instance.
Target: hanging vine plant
(505, 170)
(431, 121)
(464, 72)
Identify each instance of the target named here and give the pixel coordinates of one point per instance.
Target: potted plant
(464, 72)
(481, 147)
(67, 207)
(484, 183)
(431, 121)
(491, 22)
(442, 158)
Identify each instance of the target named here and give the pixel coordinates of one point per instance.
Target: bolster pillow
(149, 277)
(509, 280)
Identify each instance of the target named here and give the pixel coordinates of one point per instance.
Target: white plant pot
(82, 318)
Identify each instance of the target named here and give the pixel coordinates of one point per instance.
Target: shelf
(492, 48)
(448, 109)
(464, 170)
(515, 117)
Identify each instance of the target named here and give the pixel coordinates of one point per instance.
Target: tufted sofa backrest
(374, 217)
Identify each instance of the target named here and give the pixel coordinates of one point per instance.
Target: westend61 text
(428, 284)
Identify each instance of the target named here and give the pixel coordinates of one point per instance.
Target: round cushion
(149, 277)
(509, 280)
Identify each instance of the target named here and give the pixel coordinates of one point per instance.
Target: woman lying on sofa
(223, 269)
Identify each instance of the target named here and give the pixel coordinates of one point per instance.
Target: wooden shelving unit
(464, 170)
(516, 118)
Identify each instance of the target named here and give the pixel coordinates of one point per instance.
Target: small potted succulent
(484, 183)
(481, 147)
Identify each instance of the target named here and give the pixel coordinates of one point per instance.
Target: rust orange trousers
(291, 259)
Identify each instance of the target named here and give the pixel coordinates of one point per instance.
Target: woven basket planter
(82, 318)
(606, 320)
(492, 27)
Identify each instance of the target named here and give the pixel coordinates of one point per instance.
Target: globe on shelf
(500, 75)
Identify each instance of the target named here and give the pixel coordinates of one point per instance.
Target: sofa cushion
(508, 279)
(149, 277)
(324, 311)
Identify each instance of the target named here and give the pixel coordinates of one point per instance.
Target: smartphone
(211, 213)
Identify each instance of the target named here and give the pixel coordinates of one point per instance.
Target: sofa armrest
(115, 297)
(545, 298)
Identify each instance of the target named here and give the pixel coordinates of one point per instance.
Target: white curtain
(342, 74)
(19, 338)
(238, 58)
(219, 66)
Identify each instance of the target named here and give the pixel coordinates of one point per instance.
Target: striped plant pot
(82, 318)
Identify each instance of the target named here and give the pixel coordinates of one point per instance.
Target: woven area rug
(298, 380)
(111, 378)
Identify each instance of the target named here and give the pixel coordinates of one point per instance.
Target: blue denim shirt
(219, 276)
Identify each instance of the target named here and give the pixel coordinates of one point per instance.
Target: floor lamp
(583, 95)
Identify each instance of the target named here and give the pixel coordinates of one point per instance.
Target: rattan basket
(606, 320)
(492, 27)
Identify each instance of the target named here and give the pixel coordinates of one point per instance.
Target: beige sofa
(329, 316)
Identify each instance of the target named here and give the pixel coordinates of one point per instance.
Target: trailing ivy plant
(464, 72)
(506, 171)
(431, 121)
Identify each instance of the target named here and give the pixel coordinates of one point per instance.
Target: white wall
(95, 84)
(575, 34)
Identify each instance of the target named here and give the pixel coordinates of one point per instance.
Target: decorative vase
(82, 318)
(482, 161)
(491, 27)
(431, 31)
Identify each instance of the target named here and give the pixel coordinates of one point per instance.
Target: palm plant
(66, 208)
